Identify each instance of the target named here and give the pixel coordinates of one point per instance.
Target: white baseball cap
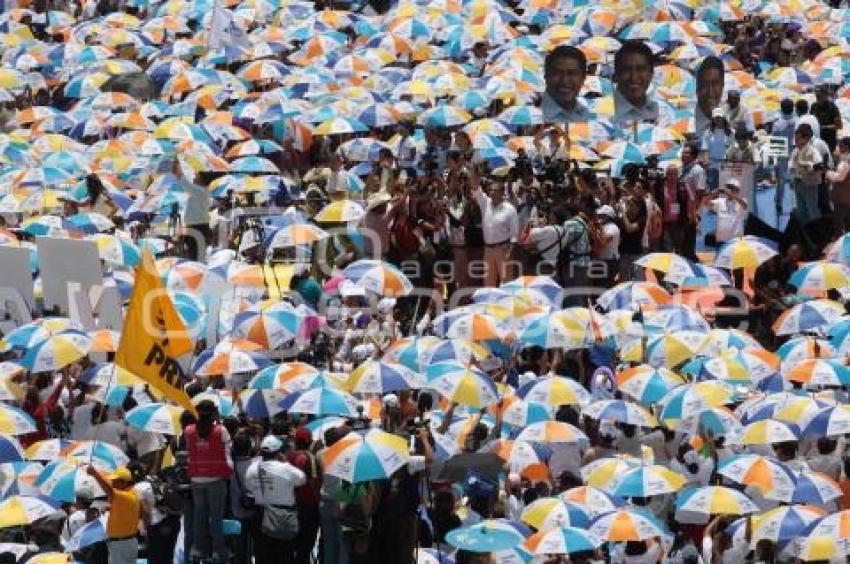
(271, 444)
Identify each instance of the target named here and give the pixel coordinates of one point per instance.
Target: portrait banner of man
(634, 64)
(564, 71)
(710, 83)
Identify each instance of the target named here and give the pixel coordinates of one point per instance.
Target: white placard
(15, 273)
(63, 262)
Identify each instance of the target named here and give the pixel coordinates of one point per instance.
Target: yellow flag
(154, 336)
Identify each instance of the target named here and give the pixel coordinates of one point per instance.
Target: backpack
(565, 254)
(167, 496)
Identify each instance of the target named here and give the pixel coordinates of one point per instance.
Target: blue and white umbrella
(488, 536)
(321, 401)
(522, 115)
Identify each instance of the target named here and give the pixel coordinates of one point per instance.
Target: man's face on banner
(564, 80)
(634, 76)
(709, 90)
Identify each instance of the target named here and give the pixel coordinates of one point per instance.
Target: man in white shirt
(731, 210)
(500, 225)
(633, 67)
(610, 254)
(805, 167)
(272, 482)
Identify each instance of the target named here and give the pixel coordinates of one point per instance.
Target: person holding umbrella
(125, 510)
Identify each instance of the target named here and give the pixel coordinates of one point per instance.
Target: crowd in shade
(460, 281)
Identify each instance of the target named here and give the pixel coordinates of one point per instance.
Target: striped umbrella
(294, 235)
(14, 421)
(561, 540)
(808, 316)
(156, 418)
(50, 449)
(594, 500)
(19, 510)
(815, 488)
(289, 376)
(468, 325)
(462, 384)
(602, 472)
(784, 523)
(766, 431)
(551, 432)
(363, 457)
(417, 353)
(633, 295)
(774, 479)
(702, 502)
(32, 333)
(378, 277)
(342, 211)
(260, 404)
(554, 391)
(820, 372)
(521, 115)
(318, 426)
(444, 116)
(646, 481)
(830, 421)
(626, 525)
(268, 325)
(620, 411)
(646, 384)
(10, 450)
(226, 360)
(691, 398)
(57, 351)
(491, 535)
(670, 349)
(716, 420)
(821, 276)
(321, 401)
(816, 548)
(744, 252)
(572, 328)
(519, 412)
(63, 479)
(378, 377)
(548, 512)
(543, 284)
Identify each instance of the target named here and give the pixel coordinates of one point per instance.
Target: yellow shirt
(124, 512)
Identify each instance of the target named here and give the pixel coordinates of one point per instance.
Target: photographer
(543, 239)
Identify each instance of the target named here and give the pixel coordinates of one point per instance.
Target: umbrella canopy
(24, 510)
(156, 418)
(774, 479)
(488, 536)
(646, 481)
(462, 384)
(561, 540)
(548, 512)
(362, 457)
(626, 525)
(620, 411)
(701, 502)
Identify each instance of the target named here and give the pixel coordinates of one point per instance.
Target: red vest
(207, 458)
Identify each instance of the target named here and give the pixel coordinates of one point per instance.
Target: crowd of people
(467, 282)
